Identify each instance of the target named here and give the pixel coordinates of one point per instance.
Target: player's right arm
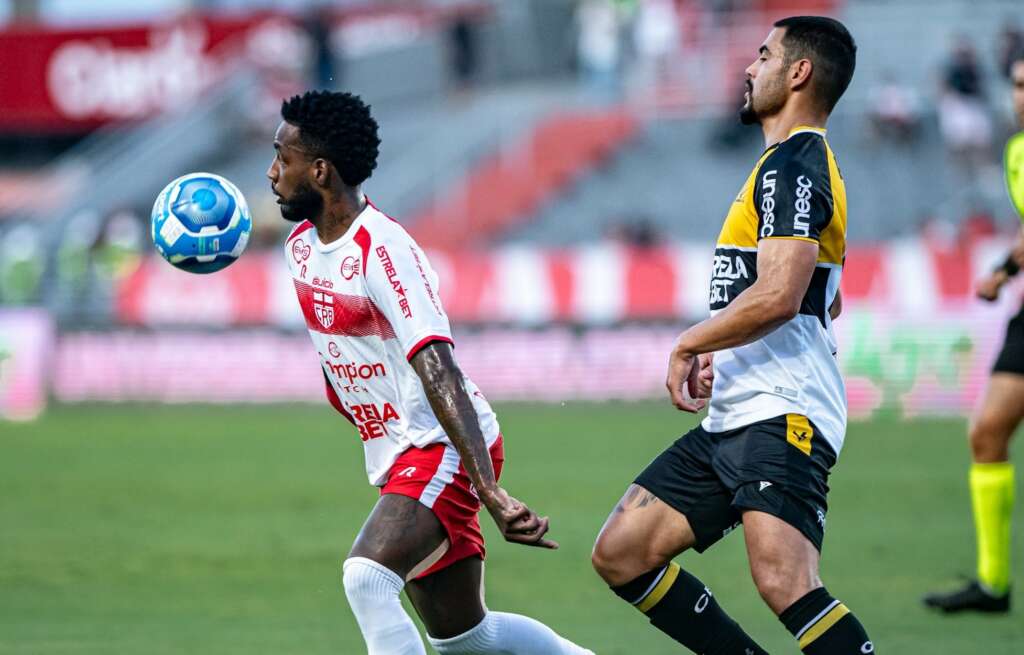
(837, 306)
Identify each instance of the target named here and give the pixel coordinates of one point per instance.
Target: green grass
(221, 530)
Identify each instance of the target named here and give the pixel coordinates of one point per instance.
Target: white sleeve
(404, 287)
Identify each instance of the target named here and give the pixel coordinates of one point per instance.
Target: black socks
(822, 625)
(681, 606)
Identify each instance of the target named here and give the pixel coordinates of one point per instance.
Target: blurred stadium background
(567, 166)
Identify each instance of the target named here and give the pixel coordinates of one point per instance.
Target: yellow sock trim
(826, 622)
(992, 502)
(660, 589)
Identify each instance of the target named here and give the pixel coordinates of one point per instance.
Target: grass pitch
(221, 530)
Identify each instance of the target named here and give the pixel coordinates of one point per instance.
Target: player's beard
(769, 101)
(304, 204)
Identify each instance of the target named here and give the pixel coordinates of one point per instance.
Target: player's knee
(367, 581)
(780, 587)
(618, 561)
(606, 559)
(988, 438)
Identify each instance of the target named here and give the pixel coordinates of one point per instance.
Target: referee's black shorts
(1011, 357)
(779, 466)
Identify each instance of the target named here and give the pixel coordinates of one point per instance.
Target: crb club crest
(350, 267)
(323, 307)
(300, 251)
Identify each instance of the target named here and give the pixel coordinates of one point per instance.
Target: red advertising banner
(595, 284)
(76, 79)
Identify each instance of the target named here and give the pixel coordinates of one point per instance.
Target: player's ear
(800, 73)
(322, 172)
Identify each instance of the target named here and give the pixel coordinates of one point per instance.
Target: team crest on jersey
(323, 307)
(350, 267)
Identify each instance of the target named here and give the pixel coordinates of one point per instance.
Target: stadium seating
(509, 186)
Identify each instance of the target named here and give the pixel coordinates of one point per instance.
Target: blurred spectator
(74, 255)
(118, 252)
(965, 121)
(656, 35)
(637, 231)
(894, 110)
(598, 45)
(1011, 44)
(464, 52)
(94, 256)
(323, 64)
(21, 264)
(963, 74)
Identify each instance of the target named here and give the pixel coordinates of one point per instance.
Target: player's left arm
(404, 287)
(793, 200)
(445, 388)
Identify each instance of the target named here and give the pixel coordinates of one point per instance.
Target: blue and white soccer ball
(200, 223)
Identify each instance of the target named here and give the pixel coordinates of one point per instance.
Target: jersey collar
(806, 128)
(799, 129)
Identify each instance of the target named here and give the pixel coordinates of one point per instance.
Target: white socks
(372, 592)
(507, 634)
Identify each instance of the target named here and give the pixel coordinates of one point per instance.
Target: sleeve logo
(801, 224)
(768, 204)
(396, 284)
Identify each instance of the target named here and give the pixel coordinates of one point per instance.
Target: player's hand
(684, 369)
(701, 387)
(517, 522)
(988, 287)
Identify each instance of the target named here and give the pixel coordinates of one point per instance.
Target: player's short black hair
(829, 46)
(1018, 55)
(338, 127)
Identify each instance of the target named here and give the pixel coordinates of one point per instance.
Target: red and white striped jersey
(370, 301)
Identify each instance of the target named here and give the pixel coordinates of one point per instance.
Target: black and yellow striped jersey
(794, 192)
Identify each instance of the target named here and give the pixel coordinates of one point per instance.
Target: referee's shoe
(971, 598)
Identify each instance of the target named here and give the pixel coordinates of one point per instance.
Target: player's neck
(338, 216)
(777, 128)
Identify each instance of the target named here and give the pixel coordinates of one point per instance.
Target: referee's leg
(991, 477)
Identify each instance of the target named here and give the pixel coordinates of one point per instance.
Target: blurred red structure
(509, 185)
(596, 284)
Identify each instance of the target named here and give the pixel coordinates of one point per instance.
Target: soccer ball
(200, 223)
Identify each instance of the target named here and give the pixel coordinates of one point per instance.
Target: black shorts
(779, 466)
(1011, 357)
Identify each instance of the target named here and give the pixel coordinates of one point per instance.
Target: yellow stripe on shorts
(660, 589)
(799, 432)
